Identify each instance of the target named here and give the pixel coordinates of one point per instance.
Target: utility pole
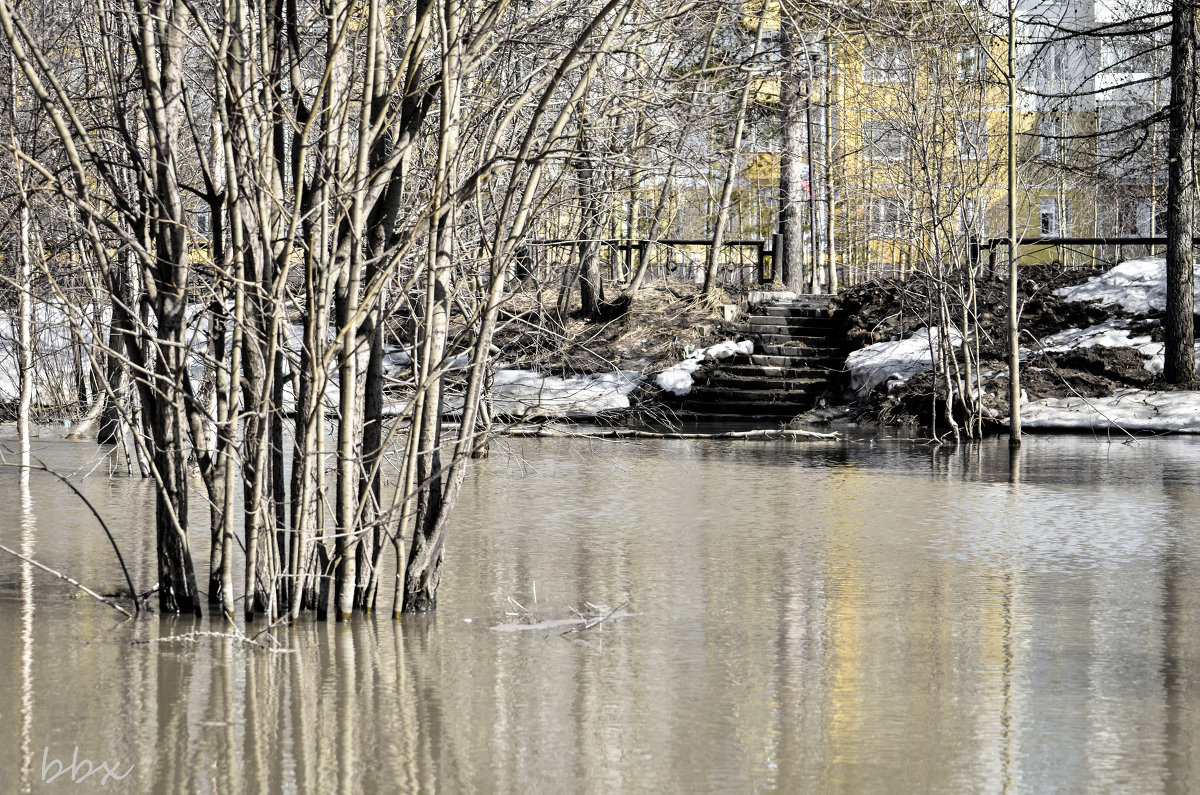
(1014, 361)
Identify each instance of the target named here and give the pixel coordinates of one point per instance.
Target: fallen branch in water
(42, 467)
(71, 580)
(597, 621)
(195, 635)
(630, 433)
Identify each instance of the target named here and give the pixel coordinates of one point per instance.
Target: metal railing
(752, 271)
(991, 244)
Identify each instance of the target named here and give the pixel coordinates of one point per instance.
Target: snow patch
(523, 393)
(1112, 333)
(677, 379)
(1137, 286)
(895, 361)
(1128, 409)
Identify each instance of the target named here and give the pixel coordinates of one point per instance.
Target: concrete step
(778, 371)
(799, 332)
(741, 408)
(813, 299)
(792, 320)
(793, 311)
(802, 301)
(721, 380)
(795, 350)
(764, 396)
(822, 323)
(788, 360)
(782, 338)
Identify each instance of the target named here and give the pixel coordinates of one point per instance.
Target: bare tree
(1179, 365)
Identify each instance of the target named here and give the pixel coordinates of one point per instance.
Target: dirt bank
(664, 324)
(889, 310)
(669, 321)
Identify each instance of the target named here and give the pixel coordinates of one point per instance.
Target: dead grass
(663, 324)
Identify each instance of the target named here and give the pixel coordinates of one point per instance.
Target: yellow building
(918, 137)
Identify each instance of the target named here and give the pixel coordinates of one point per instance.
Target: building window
(971, 64)
(972, 140)
(1127, 54)
(883, 66)
(885, 217)
(1054, 217)
(1050, 135)
(201, 222)
(1147, 212)
(1129, 217)
(1052, 61)
(882, 140)
(971, 219)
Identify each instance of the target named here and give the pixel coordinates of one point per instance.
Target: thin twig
(71, 580)
(597, 622)
(42, 467)
(1086, 401)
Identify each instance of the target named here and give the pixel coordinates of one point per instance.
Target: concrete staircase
(799, 355)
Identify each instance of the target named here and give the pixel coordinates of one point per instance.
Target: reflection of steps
(799, 355)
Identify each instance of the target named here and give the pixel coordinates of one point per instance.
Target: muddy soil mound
(886, 310)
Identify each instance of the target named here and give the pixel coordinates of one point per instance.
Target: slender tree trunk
(830, 248)
(791, 158)
(731, 170)
(591, 289)
(814, 238)
(423, 571)
(117, 408)
(25, 339)
(159, 52)
(380, 238)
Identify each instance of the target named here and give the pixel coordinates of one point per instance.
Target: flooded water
(859, 616)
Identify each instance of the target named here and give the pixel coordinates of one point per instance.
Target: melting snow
(1139, 288)
(894, 362)
(677, 379)
(522, 393)
(1130, 409)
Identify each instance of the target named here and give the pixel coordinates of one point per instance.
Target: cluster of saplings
(253, 193)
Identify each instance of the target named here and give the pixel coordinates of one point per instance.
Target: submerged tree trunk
(1014, 358)
(423, 570)
(160, 61)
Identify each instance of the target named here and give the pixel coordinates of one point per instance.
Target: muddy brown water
(859, 616)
